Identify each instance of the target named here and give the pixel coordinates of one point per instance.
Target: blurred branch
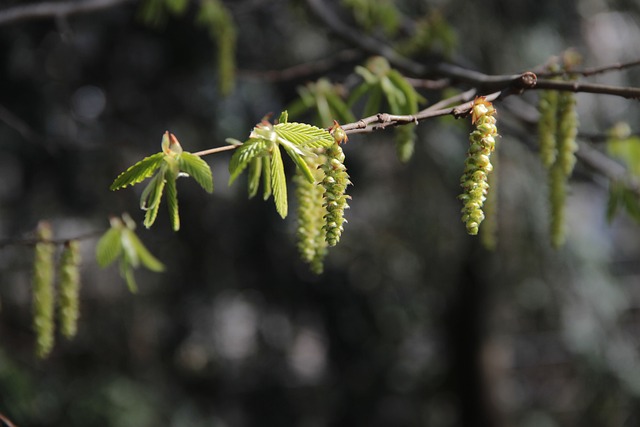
(306, 69)
(54, 9)
(7, 422)
(484, 83)
(33, 242)
(586, 72)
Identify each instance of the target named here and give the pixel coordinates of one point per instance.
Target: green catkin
(562, 168)
(489, 231)
(311, 211)
(474, 181)
(43, 290)
(69, 288)
(547, 126)
(335, 184)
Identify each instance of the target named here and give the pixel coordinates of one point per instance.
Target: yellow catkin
(335, 184)
(69, 289)
(312, 245)
(474, 180)
(43, 290)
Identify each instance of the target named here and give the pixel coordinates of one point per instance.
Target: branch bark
(55, 9)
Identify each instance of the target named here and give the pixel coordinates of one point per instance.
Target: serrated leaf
(298, 159)
(279, 182)
(198, 169)
(255, 171)
(266, 177)
(304, 135)
(151, 197)
(109, 247)
(142, 253)
(284, 117)
(138, 172)
(243, 155)
(172, 201)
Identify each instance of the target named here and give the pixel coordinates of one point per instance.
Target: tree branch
(54, 9)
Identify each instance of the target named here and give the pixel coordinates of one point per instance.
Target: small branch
(32, 242)
(54, 9)
(606, 166)
(215, 150)
(6, 421)
(594, 70)
(625, 92)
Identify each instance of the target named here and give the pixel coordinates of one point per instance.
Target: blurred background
(413, 323)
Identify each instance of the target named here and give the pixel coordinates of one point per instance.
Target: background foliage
(413, 322)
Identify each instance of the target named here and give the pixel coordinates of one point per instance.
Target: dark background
(413, 323)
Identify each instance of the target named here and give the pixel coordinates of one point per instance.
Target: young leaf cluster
(320, 179)
(165, 167)
(121, 243)
(44, 295)
(372, 15)
(298, 140)
(326, 99)
(381, 82)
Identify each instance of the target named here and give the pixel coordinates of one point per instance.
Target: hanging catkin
(43, 291)
(474, 181)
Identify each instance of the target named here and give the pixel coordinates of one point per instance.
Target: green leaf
(304, 135)
(412, 97)
(198, 169)
(279, 182)
(177, 6)
(631, 203)
(615, 195)
(126, 272)
(142, 253)
(395, 98)
(109, 247)
(244, 154)
(138, 172)
(151, 196)
(284, 117)
(255, 170)
(358, 93)
(627, 150)
(296, 155)
(340, 109)
(373, 102)
(172, 201)
(266, 177)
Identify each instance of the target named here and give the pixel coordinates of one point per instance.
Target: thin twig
(33, 242)
(6, 421)
(54, 9)
(215, 150)
(306, 69)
